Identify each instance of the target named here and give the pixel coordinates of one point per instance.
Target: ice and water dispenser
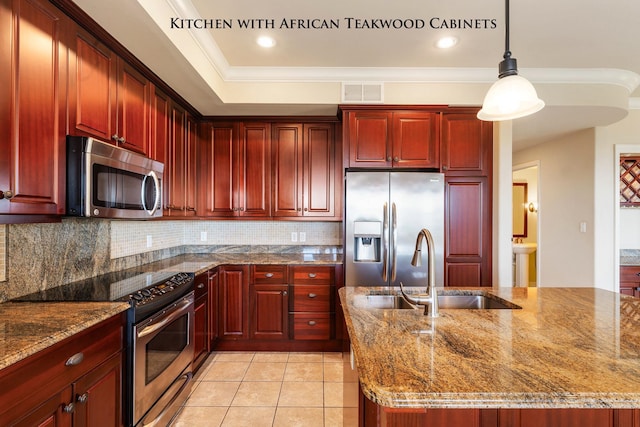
(368, 236)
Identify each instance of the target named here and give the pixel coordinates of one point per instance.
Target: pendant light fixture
(512, 96)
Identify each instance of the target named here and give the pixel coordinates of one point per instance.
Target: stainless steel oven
(162, 357)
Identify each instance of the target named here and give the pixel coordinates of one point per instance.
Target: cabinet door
(93, 88)
(190, 170)
(98, 396)
(175, 167)
(287, 169)
(466, 145)
(55, 412)
(213, 307)
(369, 133)
(33, 91)
(219, 172)
(318, 180)
(234, 302)
(254, 170)
(133, 109)
(201, 319)
(467, 231)
(415, 140)
(159, 138)
(269, 312)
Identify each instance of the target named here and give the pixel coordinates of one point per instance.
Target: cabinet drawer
(312, 275)
(269, 274)
(311, 326)
(311, 298)
(630, 273)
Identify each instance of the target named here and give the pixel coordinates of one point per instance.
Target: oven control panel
(171, 289)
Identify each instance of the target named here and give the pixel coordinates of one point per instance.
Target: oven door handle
(166, 318)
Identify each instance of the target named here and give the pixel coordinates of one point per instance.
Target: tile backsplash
(40, 256)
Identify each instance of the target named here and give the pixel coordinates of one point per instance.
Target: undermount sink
(469, 302)
(524, 248)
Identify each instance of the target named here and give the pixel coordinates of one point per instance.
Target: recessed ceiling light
(265, 41)
(447, 42)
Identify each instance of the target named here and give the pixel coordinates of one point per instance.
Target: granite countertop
(566, 348)
(26, 328)
(199, 263)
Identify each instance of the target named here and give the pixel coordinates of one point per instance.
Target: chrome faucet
(430, 299)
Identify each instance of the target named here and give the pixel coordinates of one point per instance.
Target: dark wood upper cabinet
(110, 100)
(304, 170)
(466, 145)
(180, 166)
(398, 139)
(236, 169)
(34, 40)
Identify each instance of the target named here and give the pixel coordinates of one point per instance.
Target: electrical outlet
(294, 236)
(149, 241)
(303, 236)
(203, 236)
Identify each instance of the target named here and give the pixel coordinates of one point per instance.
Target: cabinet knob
(299, 209)
(7, 194)
(200, 285)
(82, 398)
(395, 159)
(389, 159)
(115, 137)
(69, 408)
(445, 167)
(121, 140)
(311, 323)
(268, 274)
(312, 275)
(306, 210)
(285, 293)
(75, 360)
(190, 209)
(638, 274)
(312, 295)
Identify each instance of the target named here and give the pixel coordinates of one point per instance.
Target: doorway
(526, 219)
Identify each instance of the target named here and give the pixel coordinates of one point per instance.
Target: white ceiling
(581, 55)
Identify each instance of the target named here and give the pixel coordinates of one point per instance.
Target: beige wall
(565, 254)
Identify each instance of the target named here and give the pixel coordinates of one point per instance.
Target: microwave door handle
(156, 202)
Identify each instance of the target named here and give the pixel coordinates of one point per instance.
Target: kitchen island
(568, 356)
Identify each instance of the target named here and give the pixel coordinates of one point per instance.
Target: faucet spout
(430, 299)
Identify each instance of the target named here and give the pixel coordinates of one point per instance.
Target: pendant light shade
(512, 96)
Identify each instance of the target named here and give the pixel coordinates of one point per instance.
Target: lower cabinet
(58, 387)
(312, 308)
(630, 280)
(233, 307)
(201, 320)
(373, 415)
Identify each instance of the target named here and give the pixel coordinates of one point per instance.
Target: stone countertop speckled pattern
(199, 263)
(27, 327)
(566, 348)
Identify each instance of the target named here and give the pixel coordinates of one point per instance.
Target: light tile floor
(254, 389)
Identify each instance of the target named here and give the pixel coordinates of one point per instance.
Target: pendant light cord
(507, 52)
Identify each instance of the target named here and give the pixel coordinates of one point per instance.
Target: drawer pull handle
(69, 408)
(75, 360)
(312, 275)
(312, 323)
(312, 295)
(200, 285)
(83, 398)
(268, 274)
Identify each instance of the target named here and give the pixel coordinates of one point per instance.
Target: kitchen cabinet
(75, 382)
(312, 305)
(630, 280)
(236, 169)
(109, 99)
(467, 144)
(467, 164)
(34, 50)
(201, 320)
(180, 168)
(233, 288)
(269, 297)
(304, 170)
(392, 138)
(467, 231)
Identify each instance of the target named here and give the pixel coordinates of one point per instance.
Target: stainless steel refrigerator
(384, 212)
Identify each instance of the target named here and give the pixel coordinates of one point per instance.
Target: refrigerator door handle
(394, 241)
(385, 243)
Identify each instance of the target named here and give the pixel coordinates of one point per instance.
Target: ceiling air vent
(362, 92)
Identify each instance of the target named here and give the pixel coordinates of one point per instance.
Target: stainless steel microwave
(106, 181)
